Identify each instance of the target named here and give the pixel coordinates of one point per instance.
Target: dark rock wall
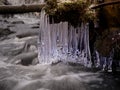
(109, 29)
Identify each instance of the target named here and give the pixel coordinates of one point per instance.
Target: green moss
(73, 12)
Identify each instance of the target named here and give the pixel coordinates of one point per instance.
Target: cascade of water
(63, 42)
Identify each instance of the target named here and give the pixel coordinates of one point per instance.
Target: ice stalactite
(63, 42)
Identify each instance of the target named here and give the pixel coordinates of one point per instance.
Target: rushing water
(63, 42)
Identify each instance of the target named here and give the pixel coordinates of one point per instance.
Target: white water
(63, 42)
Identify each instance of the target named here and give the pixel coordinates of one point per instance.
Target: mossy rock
(110, 39)
(73, 12)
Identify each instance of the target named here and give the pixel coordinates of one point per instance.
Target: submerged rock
(29, 58)
(17, 22)
(5, 32)
(26, 34)
(25, 59)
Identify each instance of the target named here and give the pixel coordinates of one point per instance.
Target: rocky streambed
(18, 39)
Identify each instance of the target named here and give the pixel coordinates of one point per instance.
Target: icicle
(63, 42)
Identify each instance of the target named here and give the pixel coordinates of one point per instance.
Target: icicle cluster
(63, 42)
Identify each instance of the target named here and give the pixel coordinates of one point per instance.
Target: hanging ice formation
(63, 42)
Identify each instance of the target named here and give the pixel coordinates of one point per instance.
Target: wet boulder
(29, 58)
(27, 34)
(25, 58)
